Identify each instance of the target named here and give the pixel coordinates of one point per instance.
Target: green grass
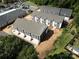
(30, 3)
(63, 40)
(76, 43)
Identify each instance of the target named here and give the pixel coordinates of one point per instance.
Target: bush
(73, 32)
(11, 47)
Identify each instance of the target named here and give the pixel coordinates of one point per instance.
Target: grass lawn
(76, 43)
(30, 3)
(63, 40)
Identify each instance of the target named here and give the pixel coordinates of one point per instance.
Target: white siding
(47, 22)
(36, 19)
(66, 18)
(38, 10)
(60, 25)
(35, 41)
(54, 24)
(41, 20)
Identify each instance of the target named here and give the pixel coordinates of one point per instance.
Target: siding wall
(28, 33)
(47, 22)
(42, 37)
(33, 41)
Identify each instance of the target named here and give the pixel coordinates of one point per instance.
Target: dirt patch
(29, 17)
(46, 46)
(75, 57)
(8, 30)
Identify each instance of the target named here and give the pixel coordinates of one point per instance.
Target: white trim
(5, 12)
(53, 23)
(66, 18)
(41, 20)
(60, 25)
(38, 10)
(47, 22)
(36, 19)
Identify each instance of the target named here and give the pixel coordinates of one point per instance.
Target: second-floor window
(19, 33)
(36, 19)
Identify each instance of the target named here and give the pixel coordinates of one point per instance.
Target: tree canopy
(63, 55)
(12, 47)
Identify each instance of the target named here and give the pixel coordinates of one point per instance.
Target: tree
(63, 55)
(11, 46)
(2, 1)
(76, 19)
(28, 52)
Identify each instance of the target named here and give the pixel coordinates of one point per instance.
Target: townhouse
(30, 31)
(51, 16)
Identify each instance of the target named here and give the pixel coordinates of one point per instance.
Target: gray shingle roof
(29, 26)
(65, 12)
(56, 11)
(48, 16)
(10, 17)
(51, 10)
(52, 13)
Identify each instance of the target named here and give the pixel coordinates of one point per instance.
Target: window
(33, 18)
(8, 26)
(23, 31)
(28, 33)
(55, 24)
(41, 20)
(44, 21)
(60, 24)
(19, 33)
(47, 22)
(25, 36)
(16, 28)
(31, 39)
(38, 37)
(51, 21)
(32, 35)
(36, 19)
